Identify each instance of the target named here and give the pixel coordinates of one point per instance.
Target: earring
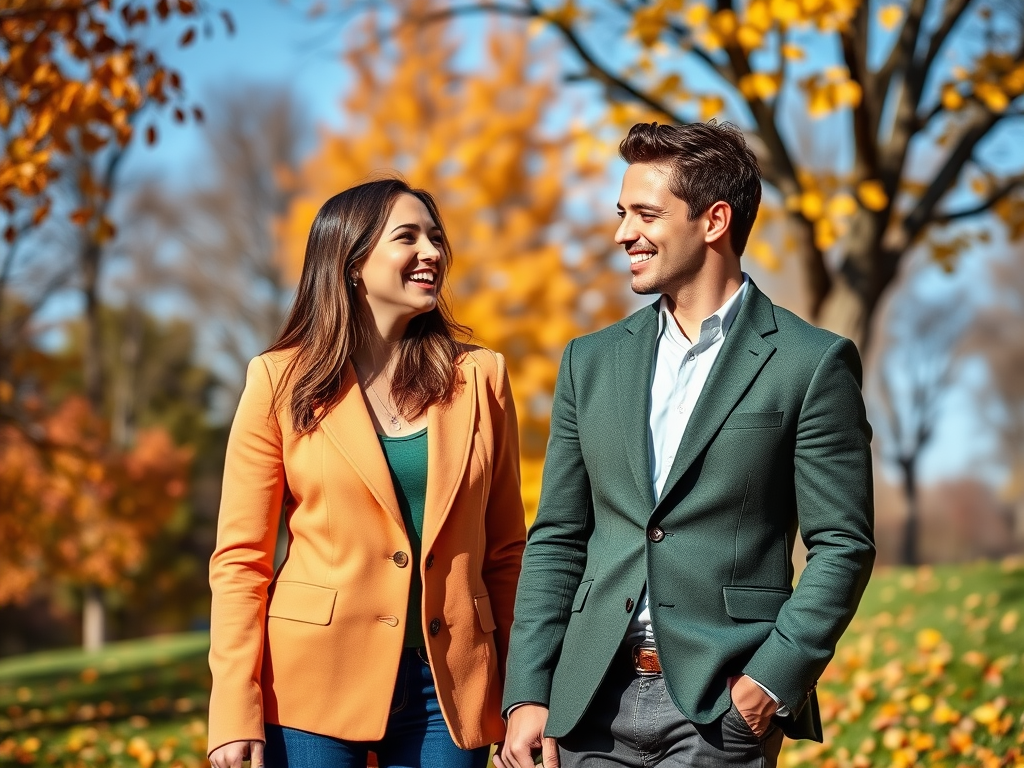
(354, 280)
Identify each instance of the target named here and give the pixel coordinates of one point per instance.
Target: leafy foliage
(529, 273)
(74, 76)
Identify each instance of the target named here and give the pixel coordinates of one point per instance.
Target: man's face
(665, 248)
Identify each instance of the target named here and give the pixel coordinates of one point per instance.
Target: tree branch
(902, 52)
(922, 213)
(954, 9)
(854, 46)
(999, 193)
(600, 72)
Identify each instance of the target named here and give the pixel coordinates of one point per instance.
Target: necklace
(396, 425)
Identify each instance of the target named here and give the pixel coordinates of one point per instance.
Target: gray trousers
(632, 722)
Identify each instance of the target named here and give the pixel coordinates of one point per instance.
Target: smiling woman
(392, 450)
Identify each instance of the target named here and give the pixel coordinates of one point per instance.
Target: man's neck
(696, 301)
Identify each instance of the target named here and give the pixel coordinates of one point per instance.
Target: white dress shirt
(680, 371)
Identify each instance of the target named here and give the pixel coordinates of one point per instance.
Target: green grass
(930, 673)
(136, 703)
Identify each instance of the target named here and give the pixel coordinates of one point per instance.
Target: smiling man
(656, 623)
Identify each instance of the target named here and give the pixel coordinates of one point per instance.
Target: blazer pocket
(581, 595)
(297, 601)
(754, 603)
(483, 612)
(753, 420)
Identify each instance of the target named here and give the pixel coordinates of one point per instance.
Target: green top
(407, 460)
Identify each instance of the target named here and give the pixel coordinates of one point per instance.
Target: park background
(164, 159)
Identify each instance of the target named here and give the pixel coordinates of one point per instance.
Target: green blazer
(778, 442)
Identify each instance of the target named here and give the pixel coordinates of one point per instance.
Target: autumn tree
(530, 271)
(920, 359)
(75, 80)
(220, 234)
(74, 75)
(872, 120)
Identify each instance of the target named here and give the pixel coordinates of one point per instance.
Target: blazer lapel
(349, 427)
(634, 361)
(744, 353)
(449, 440)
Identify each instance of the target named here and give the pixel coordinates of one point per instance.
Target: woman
(392, 451)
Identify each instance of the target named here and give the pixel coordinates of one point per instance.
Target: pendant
(395, 423)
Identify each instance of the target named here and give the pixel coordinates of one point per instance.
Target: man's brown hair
(710, 162)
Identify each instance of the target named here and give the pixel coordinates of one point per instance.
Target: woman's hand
(233, 753)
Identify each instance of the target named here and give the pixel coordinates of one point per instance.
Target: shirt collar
(725, 315)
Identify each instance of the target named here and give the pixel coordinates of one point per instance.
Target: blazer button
(401, 559)
(435, 627)
(629, 603)
(430, 561)
(655, 535)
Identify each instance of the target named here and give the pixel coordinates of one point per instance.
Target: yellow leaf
(841, 205)
(951, 98)
(793, 52)
(749, 38)
(697, 14)
(824, 234)
(872, 196)
(889, 16)
(848, 93)
(710, 106)
(992, 96)
(811, 205)
(1008, 624)
(759, 15)
(724, 23)
(759, 85)
(922, 702)
(928, 639)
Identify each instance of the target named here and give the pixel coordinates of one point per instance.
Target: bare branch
(954, 9)
(902, 51)
(597, 70)
(854, 46)
(923, 212)
(999, 193)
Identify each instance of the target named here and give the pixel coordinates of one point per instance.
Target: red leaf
(151, 135)
(188, 37)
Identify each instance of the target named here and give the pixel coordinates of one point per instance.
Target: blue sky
(276, 43)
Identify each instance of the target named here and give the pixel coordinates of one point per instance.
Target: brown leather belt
(645, 660)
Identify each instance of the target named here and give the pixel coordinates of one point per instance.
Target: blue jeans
(416, 734)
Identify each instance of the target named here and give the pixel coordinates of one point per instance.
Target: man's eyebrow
(642, 207)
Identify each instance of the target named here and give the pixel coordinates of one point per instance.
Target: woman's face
(402, 275)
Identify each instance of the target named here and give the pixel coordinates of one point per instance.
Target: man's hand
(232, 754)
(756, 706)
(523, 736)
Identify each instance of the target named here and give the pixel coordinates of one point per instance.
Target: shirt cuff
(782, 710)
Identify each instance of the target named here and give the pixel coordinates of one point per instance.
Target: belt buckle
(645, 664)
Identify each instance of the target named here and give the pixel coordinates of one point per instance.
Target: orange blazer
(316, 645)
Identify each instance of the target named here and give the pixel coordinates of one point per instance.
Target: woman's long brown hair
(325, 325)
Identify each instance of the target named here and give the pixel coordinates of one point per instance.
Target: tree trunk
(866, 272)
(911, 529)
(93, 613)
(93, 619)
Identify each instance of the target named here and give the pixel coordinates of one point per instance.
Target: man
(655, 621)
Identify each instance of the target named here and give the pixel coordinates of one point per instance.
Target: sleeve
(555, 555)
(505, 519)
(832, 465)
(242, 564)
